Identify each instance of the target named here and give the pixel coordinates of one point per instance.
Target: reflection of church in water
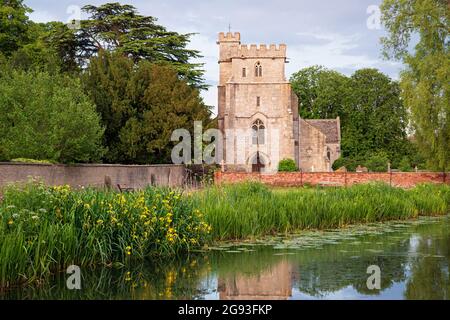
(273, 284)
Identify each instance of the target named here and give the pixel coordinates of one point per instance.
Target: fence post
(345, 179)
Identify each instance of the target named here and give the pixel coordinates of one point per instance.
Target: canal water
(413, 259)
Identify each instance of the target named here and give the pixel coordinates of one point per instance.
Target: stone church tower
(258, 113)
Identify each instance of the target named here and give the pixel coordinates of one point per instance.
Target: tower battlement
(261, 51)
(229, 37)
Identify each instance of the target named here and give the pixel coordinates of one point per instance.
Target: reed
(252, 210)
(44, 230)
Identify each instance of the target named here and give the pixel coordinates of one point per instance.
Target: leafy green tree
(140, 107)
(13, 25)
(425, 82)
(374, 118)
(119, 28)
(320, 91)
(47, 117)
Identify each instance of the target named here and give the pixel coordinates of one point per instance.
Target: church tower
(257, 109)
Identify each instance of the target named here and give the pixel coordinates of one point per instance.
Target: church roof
(329, 127)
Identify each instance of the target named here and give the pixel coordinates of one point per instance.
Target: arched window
(258, 69)
(258, 128)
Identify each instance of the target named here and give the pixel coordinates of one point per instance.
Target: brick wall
(398, 179)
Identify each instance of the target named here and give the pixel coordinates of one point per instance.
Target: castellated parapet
(229, 37)
(261, 51)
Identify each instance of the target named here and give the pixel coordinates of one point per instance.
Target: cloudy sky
(339, 34)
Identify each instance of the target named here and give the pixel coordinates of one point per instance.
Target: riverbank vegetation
(43, 229)
(253, 210)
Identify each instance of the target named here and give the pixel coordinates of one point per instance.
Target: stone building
(258, 113)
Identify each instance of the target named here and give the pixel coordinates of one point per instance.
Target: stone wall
(94, 175)
(398, 179)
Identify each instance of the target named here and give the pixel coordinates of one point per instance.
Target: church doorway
(258, 164)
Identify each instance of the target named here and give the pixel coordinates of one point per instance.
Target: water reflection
(414, 262)
(273, 284)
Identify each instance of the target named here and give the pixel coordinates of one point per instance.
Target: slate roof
(329, 127)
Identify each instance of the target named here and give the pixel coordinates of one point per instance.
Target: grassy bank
(252, 210)
(43, 229)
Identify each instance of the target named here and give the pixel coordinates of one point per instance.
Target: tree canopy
(140, 107)
(14, 24)
(418, 35)
(320, 92)
(373, 117)
(119, 28)
(47, 117)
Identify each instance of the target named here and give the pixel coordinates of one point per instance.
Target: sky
(342, 35)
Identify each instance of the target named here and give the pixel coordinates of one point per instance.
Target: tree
(320, 91)
(140, 107)
(119, 28)
(374, 118)
(425, 82)
(47, 117)
(13, 25)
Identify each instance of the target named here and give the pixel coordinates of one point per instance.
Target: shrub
(405, 165)
(287, 165)
(377, 162)
(349, 163)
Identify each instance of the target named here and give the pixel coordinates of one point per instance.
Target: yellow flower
(100, 222)
(10, 222)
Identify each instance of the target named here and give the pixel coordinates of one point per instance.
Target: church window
(244, 72)
(258, 69)
(258, 128)
(258, 101)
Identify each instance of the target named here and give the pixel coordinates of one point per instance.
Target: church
(258, 113)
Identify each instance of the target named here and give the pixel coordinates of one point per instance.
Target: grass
(252, 210)
(44, 230)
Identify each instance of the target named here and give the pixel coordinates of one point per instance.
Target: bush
(349, 163)
(405, 165)
(47, 117)
(287, 165)
(377, 162)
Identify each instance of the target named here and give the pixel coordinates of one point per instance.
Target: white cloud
(332, 51)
